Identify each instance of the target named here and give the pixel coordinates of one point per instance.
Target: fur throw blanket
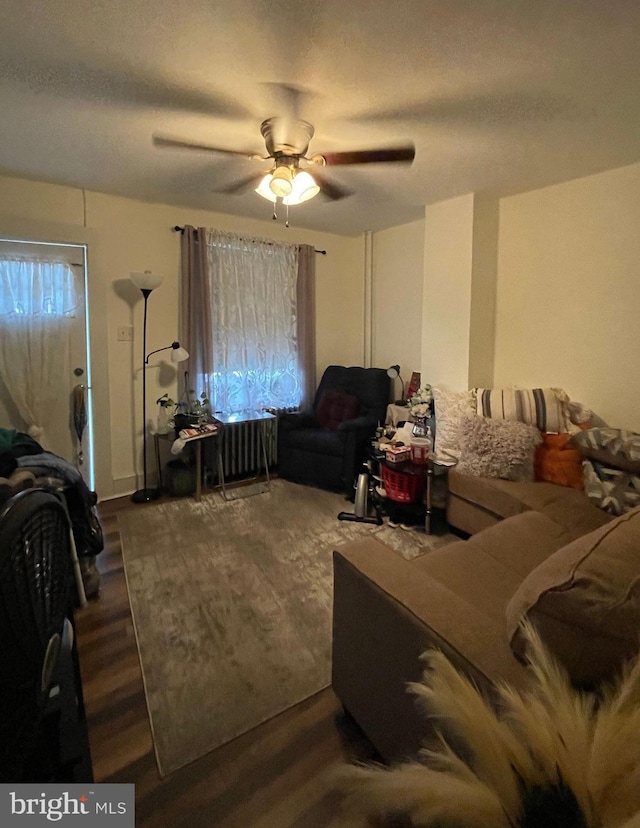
(497, 448)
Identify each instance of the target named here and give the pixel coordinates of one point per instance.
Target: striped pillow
(540, 407)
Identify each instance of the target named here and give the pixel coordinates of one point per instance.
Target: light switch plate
(125, 333)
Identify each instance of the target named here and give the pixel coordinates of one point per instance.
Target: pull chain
(275, 213)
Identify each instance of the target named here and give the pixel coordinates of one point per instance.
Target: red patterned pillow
(335, 407)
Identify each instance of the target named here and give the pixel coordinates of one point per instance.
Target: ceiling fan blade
(499, 106)
(329, 188)
(117, 84)
(166, 141)
(404, 154)
(241, 184)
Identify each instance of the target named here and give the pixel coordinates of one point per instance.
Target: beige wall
(484, 269)
(459, 291)
(397, 265)
(446, 303)
(124, 235)
(568, 292)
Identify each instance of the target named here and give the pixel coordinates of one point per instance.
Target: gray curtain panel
(306, 320)
(196, 330)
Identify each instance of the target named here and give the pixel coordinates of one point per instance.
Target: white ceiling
(499, 96)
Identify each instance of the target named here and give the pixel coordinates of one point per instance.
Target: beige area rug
(231, 603)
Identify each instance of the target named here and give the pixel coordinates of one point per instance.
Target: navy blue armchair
(327, 446)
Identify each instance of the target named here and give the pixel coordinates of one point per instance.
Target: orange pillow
(555, 462)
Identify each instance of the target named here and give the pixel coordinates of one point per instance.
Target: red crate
(400, 486)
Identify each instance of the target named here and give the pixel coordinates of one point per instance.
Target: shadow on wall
(125, 289)
(130, 294)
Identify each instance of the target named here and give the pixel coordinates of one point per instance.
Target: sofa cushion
(569, 508)
(558, 462)
(540, 407)
(335, 407)
(585, 601)
(497, 448)
(486, 569)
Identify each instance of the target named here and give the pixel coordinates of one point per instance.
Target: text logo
(97, 804)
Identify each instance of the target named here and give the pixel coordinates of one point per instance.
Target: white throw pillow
(450, 408)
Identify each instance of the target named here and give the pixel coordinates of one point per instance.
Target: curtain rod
(178, 229)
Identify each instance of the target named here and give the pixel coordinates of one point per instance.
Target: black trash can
(181, 478)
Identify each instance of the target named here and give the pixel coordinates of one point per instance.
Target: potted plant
(191, 409)
(165, 410)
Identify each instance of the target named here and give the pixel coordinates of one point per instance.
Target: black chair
(327, 446)
(42, 726)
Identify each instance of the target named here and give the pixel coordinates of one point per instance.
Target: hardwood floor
(273, 777)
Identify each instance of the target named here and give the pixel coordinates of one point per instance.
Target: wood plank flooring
(273, 777)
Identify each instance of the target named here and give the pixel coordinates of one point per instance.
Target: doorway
(45, 374)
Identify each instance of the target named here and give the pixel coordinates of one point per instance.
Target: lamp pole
(146, 282)
(144, 495)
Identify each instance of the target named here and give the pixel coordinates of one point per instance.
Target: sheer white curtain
(252, 309)
(37, 302)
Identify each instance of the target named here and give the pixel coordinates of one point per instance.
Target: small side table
(157, 436)
(170, 435)
(237, 418)
(434, 469)
(198, 450)
(431, 469)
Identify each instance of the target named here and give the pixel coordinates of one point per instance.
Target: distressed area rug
(231, 604)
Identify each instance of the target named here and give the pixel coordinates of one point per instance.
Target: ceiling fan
(287, 142)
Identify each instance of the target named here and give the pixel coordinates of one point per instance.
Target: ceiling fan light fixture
(281, 183)
(304, 188)
(263, 189)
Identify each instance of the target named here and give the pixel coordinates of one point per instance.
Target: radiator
(242, 448)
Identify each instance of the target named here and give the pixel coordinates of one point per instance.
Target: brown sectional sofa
(475, 503)
(388, 611)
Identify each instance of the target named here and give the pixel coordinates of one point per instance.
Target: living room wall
(397, 271)
(536, 289)
(568, 292)
(446, 309)
(125, 235)
(434, 293)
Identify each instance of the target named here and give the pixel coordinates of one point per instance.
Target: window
(252, 307)
(36, 288)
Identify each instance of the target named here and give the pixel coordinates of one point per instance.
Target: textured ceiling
(499, 97)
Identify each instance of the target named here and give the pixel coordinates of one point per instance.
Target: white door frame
(75, 255)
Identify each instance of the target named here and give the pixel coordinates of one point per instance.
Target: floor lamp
(147, 282)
